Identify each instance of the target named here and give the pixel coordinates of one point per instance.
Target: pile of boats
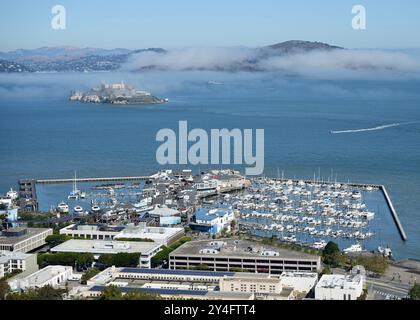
(304, 212)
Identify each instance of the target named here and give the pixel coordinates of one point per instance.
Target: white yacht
(95, 208)
(63, 207)
(78, 209)
(353, 248)
(12, 194)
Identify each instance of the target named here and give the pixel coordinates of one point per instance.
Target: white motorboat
(63, 207)
(353, 248)
(95, 208)
(12, 194)
(78, 209)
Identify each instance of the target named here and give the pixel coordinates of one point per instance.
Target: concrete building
(23, 239)
(192, 283)
(301, 282)
(231, 254)
(55, 276)
(213, 220)
(13, 261)
(259, 284)
(339, 287)
(163, 235)
(146, 249)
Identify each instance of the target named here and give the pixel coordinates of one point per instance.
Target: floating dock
(103, 179)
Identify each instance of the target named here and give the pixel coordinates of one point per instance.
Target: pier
(394, 214)
(103, 179)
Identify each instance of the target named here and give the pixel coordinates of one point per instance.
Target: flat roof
(338, 281)
(203, 293)
(177, 272)
(238, 248)
(31, 232)
(104, 246)
(45, 274)
(5, 256)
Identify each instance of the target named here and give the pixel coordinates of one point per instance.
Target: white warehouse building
(339, 287)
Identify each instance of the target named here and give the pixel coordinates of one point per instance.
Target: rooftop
(241, 248)
(339, 281)
(30, 232)
(209, 214)
(5, 256)
(100, 247)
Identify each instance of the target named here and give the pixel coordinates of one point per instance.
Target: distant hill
(67, 58)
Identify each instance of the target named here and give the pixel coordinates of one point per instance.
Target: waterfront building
(23, 239)
(228, 254)
(339, 287)
(213, 220)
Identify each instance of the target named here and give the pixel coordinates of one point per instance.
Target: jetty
(101, 179)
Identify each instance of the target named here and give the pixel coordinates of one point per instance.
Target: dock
(394, 214)
(102, 179)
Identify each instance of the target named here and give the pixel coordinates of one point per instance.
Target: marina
(310, 213)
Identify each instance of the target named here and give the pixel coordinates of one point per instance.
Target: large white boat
(353, 248)
(12, 194)
(78, 209)
(63, 207)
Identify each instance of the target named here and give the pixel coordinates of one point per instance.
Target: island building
(339, 287)
(194, 284)
(13, 261)
(213, 220)
(228, 254)
(162, 235)
(54, 276)
(98, 247)
(22, 239)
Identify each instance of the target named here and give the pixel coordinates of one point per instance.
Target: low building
(226, 255)
(213, 220)
(262, 285)
(54, 276)
(163, 235)
(339, 287)
(23, 239)
(301, 282)
(98, 247)
(14, 261)
(204, 284)
(167, 216)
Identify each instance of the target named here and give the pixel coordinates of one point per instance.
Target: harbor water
(376, 139)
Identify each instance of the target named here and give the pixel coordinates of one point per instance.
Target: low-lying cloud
(247, 59)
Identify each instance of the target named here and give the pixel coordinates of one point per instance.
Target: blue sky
(182, 23)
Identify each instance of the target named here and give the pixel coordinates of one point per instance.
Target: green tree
(89, 274)
(44, 293)
(414, 292)
(135, 295)
(4, 288)
(56, 239)
(111, 293)
(331, 255)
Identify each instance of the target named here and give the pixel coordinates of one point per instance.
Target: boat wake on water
(384, 126)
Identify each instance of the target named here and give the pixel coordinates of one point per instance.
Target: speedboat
(78, 209)
(95, 208)
(353, 248)
(63, 207)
